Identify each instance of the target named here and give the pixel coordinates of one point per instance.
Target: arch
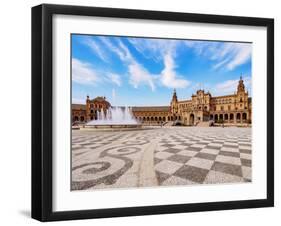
(151, 119)
(155, 118)
(225, 116)
(216, 117)
(191, 119)
(76, 118)
(211, 117)
(160, 119)
(238, 116)
(82, 118)
(244, 116)
(231, 116)
(221, 116)
(92, 118)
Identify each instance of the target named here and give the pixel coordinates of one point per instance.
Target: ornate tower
(174, 103)
(242, 96)
(175, 98)
(241, 86)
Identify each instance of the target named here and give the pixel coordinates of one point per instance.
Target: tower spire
(175, 98)
(241, 86)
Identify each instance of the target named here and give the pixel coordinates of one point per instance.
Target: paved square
(160, 157)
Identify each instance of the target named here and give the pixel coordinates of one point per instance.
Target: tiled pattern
(181, 156)
(204, 155)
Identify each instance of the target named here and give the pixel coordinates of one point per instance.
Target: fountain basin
(113, 119)
(112, 127)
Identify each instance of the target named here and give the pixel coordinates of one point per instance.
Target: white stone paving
(167, 156)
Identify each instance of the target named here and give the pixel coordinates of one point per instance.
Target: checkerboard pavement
(170, 156)
(86, 142)
(203, 158)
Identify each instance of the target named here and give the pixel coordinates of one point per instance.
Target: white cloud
(243, 54)
(230, 86)
(83, 73)
(113, 48)
(96, 48)
(225, 55)
(139, 75)
(169, 76)
(152, 48)
(114, 78)
(165, 50)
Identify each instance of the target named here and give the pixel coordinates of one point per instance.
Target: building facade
(231, 109)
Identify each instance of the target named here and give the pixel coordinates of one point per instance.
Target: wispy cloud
(225, 55)
(138, 75)
(230, 86)
(157, 49)
(113, 48)
(83, 73)
(96, 48)
(152, 48)
(169, 77)
(114, 78)
(162, 50)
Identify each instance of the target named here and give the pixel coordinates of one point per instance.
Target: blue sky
(144, 71)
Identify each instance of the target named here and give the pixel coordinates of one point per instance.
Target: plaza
(160, 156)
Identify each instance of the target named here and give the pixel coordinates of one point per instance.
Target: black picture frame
(42, 111)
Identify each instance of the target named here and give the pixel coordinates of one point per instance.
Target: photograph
(159, 112)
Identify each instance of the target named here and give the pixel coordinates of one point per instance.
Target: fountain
(114, 118)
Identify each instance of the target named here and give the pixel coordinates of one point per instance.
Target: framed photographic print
(145, 112)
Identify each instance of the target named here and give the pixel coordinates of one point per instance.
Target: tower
(174, 103)
(241, 86)
(175, 98)
(242, 96)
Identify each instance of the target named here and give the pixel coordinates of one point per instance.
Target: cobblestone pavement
(160, 156)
